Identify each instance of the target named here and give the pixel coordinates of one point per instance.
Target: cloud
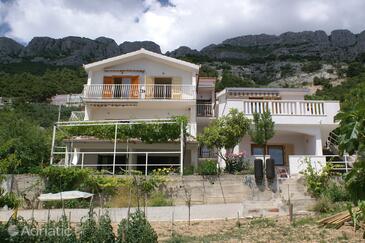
(171, 23)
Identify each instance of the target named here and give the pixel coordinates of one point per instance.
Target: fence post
(346, 166)
(82, 159)
(146, 171)
(115, 146)
(53, 143)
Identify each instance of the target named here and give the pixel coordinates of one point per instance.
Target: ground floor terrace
(290, 147)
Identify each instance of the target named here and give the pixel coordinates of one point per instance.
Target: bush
(64, 178)
(9, 199)
(73, 203)
(316, 182)
(236, 163)
(336, 192)
(158, 199)
(136, 229)
(189, 170)
(208, 167)
(310, 67)
(323, 205)
(355, 69)
(355, 181)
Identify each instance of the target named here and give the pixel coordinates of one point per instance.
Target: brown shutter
(107, 88)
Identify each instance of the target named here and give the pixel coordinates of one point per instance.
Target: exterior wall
(151, 69)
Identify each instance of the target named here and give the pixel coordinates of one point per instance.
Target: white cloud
(195, 23)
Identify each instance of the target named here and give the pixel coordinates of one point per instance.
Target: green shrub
(136, 229)
(158, 199)
(88, 228)
(73, 203)
(208, 167)
(336, 192)
(236, 163)
(10, 199)
(189, 170)
(105, 229)
(312, 66)
(316, 182)
(64, 178)
(323, 205)
(355, 181)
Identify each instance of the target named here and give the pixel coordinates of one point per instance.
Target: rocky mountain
(262, 58)
(71, 50)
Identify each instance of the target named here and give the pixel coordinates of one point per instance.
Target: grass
(305, 229)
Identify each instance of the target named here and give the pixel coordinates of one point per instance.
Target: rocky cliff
(68, 51)
(262, 58)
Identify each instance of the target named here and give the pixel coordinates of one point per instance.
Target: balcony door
(124, 87)
(276, 152)
(162, 88)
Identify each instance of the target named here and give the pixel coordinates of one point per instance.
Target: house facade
(143, 86)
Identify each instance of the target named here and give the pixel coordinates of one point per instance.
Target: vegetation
(23, 144)
(237, 163)
(316, 181)
(136, 229)
(231, 80)
(208, 167)
(146, 132)
(225, 132)
(42, 86)
(311, 66)
(262, 129)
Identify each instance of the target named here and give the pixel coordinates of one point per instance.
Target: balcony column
(319, 147)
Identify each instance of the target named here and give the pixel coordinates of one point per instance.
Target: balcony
(114, 92)
(294, 111)
(204, 110)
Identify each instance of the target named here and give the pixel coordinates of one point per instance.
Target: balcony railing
(77, 116)
(139, 91)
(204, 110)
(285, 107)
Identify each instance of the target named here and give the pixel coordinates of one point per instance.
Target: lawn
(305, 229)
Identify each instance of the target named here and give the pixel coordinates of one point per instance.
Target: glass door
(276, 152)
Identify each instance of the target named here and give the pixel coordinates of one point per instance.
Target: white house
(143, 86)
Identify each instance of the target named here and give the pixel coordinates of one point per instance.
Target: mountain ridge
(73, 50)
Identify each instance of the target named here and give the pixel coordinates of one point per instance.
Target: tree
(23, 144)
(231, 80)
(354, 69)
(352, 140)
(262, 129)
(225, 132)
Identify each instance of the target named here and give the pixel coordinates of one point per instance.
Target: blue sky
(172, 23)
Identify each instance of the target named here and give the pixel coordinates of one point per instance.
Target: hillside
(47, 66)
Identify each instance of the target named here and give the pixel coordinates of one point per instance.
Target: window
(276, 152)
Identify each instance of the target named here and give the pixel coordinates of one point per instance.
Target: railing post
(146, 168)
(181, 149)
(115, 146)
(346, 166)
(53, 143)
(82, 159)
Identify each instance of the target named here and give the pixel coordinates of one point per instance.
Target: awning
(66, 195)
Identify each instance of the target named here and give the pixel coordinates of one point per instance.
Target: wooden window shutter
(108, 87)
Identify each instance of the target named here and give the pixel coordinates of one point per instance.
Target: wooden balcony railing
(139, 91)
(285, 107)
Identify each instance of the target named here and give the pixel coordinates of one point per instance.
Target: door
(276, 152)
(134, 87)
(162, 88)
(108, 87)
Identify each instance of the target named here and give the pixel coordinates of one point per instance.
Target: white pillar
(319, 147)
(115, 146)
(53, 143)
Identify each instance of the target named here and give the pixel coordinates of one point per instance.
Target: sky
(174, 23)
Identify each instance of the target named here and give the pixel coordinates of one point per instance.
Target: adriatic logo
(13, 230)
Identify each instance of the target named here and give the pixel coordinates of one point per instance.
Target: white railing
(139, 91)
(204, 110)
(285, 107)
(77, 116)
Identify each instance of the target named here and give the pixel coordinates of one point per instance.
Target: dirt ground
(254, 230)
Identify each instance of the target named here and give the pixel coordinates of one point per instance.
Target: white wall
(151, 68)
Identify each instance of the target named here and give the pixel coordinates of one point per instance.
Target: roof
(264, 90)
(140, 53)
